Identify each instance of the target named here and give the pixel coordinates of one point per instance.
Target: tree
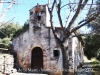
(26, 25)
(4, 41)
(5, 10)
(92, 47)
(70, 25)
(7, 30)
(24, 28)
(92, 41)
(95, 24)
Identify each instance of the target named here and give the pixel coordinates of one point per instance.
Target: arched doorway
(37, 58)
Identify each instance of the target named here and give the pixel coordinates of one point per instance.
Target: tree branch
(3, 25)
(3, 32)
(59, 16)
(79, 8)
(75, 16)
(7, 22)
(53, 6)
(50, 11)
(75, 3)
(90, 6)
(79, 35)
(96, 22)
(53, 29)
(88, 20)
(84, 3)
(69, 16)
(5, 11)
(79, 38)
(51, 21)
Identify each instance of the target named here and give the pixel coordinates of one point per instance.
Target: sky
(20, 11)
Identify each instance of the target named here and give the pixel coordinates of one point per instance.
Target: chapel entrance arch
(37, 58)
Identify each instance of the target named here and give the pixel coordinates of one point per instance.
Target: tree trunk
(64, 50)
(65, 62)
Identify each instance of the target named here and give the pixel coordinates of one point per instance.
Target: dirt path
(86, 69)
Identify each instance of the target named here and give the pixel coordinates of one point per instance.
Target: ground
(88, 68)
(22, 74)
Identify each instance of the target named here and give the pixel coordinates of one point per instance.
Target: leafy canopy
(7, 30)
(92, 46)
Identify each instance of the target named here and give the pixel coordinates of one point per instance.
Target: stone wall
(42, 38)
(75, 51)
(39, 35)
(78, 53)
(7, 63)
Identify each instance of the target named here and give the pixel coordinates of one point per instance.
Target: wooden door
(37, 58)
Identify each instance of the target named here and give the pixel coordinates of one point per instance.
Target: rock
(7, 64)
(1, 73)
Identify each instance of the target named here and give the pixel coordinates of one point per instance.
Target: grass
(96, 65)
(95, 62)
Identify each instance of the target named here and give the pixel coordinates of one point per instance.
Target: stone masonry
(7, 64)
(40, 38)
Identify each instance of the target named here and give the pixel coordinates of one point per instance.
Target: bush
(21, 30)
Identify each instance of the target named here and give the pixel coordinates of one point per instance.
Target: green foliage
(9, 29)
(5, 42)
(95, 62)
(6, 32)
(18, 32)
(26, 25)
(23, 29)
(95, 24)
(92, 46)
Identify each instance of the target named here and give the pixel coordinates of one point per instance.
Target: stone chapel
(36, 48)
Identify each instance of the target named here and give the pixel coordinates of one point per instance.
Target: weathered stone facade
(7, 64)
(40, 36)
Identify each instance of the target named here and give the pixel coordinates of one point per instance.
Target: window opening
(39, 18)
(31, 13)
(56, 53)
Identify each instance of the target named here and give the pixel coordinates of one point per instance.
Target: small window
(31, 13)
(56, 53)
(39, 18)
